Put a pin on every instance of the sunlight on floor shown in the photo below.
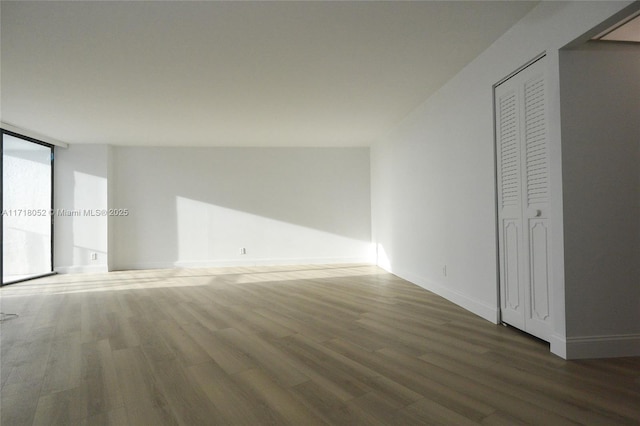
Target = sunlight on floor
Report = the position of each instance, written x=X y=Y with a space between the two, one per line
x=168 y=278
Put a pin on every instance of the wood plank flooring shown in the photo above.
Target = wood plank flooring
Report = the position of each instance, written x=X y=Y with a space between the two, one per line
x=295 y=345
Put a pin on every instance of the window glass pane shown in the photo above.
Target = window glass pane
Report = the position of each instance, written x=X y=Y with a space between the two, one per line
x=26 y=223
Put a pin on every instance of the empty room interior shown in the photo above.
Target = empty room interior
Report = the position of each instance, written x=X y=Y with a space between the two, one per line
x=320 y=212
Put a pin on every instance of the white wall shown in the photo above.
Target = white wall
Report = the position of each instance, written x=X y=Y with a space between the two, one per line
x=199 y=206
x=601 y=184
x=433 y=195
x=80 y=185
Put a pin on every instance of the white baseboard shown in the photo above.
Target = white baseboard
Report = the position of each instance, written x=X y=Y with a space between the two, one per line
x=558 y=345
x=483 y=310
x=238 y=262
x=611 y=346
x=81 y=269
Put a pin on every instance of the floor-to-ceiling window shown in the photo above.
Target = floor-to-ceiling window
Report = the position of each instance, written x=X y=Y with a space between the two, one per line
x=27 y=208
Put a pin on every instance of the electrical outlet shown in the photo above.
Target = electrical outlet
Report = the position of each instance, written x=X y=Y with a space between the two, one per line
x=243 y=251
x=444 y=270
x=94 y=256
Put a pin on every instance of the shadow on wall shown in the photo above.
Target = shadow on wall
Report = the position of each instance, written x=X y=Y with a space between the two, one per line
x=80 y=196
x=191 y=205
x=206 y=231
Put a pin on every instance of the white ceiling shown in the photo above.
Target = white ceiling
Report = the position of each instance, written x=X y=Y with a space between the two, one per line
x=234 y=73
x=628 y=31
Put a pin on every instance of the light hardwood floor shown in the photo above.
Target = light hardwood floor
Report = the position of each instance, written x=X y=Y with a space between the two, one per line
x=300 y=345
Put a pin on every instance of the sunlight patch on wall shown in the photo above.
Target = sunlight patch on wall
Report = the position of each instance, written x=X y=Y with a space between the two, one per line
x=382 y=260
x=210 y=235
x=88 y=214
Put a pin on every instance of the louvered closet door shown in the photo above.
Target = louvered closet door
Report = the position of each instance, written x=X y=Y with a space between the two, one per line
x=523 y=192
